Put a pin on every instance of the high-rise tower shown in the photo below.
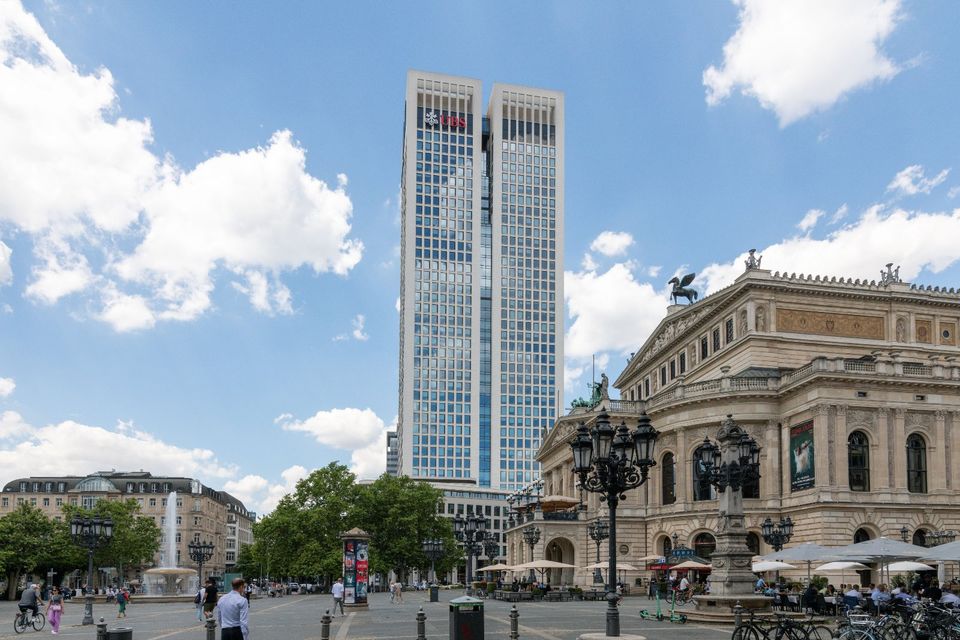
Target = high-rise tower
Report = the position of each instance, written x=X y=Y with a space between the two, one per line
x=481 y=285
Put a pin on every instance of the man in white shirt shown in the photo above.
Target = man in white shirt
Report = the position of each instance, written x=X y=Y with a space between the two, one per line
x=684 y=584
x=233 y=613
x=337 y=592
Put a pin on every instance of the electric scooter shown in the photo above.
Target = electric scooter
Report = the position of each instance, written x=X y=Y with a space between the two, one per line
x=680 y=618
x=646 y=615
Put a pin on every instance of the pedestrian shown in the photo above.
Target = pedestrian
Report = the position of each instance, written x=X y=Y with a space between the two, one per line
x=399 y=588
x=55 y=610
x=393 y=592
x=121 y=603
x=209 y=598
x=233 y=613
x=198 y=603
x=337 y=592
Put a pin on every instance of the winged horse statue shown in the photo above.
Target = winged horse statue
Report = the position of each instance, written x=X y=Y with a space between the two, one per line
x=681 y=290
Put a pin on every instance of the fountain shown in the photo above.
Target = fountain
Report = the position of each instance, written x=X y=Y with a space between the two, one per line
x=169 y=579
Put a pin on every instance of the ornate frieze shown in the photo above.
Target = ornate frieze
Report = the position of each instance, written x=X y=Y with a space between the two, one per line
x=830 y=324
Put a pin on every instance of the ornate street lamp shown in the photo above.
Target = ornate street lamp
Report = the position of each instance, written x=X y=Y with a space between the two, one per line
x=433 y=549
x=904 y=533
x=611 y=461
x=779 y=534
x=470 y=532
x=90 y=533
x=200 y=552
x=599 y=531
x=531 y=535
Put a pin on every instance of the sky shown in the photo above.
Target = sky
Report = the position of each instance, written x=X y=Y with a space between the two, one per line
x=199 y=221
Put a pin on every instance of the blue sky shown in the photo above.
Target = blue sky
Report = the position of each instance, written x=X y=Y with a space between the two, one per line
x=198 y=201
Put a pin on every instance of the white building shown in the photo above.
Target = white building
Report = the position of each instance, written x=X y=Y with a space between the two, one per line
x=481 y=288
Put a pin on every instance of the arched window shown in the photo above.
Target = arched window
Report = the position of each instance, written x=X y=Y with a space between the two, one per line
x=916 y=464
x=704 y=545
x=666 y=546
x=702 y=489
x=668 y=491
x=753 y=543
x=858 y=461
x=920 y=538
x=861 y=535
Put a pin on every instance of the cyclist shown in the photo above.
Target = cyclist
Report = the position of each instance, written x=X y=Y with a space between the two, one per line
x=31 y=600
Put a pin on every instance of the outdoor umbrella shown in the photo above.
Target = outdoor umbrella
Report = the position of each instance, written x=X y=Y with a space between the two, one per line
x=770 y=565
x=650 y=558
x=541 y=566
x=908 y=565
x=807 y=552
x=690 y=564
x=496 y=567
x=841 y=568
x=883 y=551
x=943 y=553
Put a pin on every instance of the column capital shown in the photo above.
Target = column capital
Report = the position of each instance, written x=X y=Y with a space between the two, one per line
x=940 y=415
x=821 y=410
x=841 y=409
x=899 y=412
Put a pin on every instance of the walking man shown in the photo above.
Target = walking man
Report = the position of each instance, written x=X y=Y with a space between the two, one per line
x=337 y=592
x=233 y=613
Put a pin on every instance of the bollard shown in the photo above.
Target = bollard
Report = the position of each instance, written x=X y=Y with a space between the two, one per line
x=101 y=630
x=514 y=623
x=737 y=615
x=421 y=625
x=211 y=626
x=325 y=626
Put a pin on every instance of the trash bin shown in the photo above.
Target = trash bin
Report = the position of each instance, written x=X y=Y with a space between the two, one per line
x=120 y=633
x=466 y=619
x=434 y=593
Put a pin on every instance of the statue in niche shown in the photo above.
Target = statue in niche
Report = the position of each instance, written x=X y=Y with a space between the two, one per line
x=761 y=319
x=901 y=329
x=743 y=322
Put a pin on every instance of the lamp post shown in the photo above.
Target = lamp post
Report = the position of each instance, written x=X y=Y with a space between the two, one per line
x=598 y=530
x=779 y=534
x=904 y=533
x=90 y=533
x=531 y=535
x=471 y=532
x=200 y=552
x=728 y=467
x=433 y=549
x=610 y=461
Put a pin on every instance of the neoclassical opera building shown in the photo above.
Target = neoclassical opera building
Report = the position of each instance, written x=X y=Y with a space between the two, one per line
x=852 y=388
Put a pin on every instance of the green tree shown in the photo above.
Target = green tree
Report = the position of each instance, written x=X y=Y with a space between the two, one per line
x=135 y=540
x=27 y=537
x=247 y=564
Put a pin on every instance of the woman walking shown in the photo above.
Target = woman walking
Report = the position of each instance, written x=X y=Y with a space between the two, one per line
x=121 y=603
x=55 y=610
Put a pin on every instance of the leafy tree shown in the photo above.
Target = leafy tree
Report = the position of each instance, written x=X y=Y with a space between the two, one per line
x=247 y=564
x=27 y=537
x=135 y=540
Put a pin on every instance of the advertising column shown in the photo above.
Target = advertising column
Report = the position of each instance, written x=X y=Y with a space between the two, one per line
x=356 y=564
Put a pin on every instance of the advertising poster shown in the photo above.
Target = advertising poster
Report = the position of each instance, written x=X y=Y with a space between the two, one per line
x=349 y=572
x=802 y=473
x=363 y=576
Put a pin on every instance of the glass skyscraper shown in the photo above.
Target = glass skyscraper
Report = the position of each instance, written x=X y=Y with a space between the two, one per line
x=481 y=285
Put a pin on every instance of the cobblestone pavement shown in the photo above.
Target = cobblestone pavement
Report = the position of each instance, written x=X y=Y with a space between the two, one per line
x=298 y=618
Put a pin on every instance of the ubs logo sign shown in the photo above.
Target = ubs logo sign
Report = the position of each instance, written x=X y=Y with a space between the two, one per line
x=432 y=119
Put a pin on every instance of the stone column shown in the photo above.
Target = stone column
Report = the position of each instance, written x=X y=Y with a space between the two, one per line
x=681 y=469
x=820 y=443
x=842 y=481
x=770 y=480
x=938 y=470
x=883 y=474
x=899 y=445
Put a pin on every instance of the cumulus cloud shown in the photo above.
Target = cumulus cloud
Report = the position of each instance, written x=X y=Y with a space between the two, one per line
x=73 y=448
x=261 y=495
x=82 y=180
x=7 y=385
x=6 y=271
x=359 y=431
x=913 y=180
x=797 y=57
x=914 y=240
x=612 y=243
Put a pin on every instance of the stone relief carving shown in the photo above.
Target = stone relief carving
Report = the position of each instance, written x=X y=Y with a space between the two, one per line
x=830 y=324
x=901 y=329
x=917 y=419
x=743 y=322
x=673 y=329
x=924 y=329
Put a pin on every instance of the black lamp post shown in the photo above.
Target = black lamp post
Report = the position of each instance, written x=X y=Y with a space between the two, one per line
x=90 y=533
x=610 y=461
x=779 y=534
x=531 y=535
x=904 y=533
x=598 y=530
x=200 y=552
x=433 y=549
x=491 y=548
x=470 y=532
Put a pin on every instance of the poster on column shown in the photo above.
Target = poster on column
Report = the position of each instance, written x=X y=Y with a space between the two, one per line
x=349 y=571
x=363 y=575
x=802 y=470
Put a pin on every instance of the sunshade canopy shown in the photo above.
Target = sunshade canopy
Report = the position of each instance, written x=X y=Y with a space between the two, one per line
x=770 y=565
x=690 y=564
x=621 y=566
x=883 y=549
x=542 y=564
x=944 y=552
x=908 y=565
x=840 y=567
x=806 y=552
x=496 y=567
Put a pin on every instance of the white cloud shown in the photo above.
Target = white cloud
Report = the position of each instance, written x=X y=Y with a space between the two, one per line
x=358 y=323
x=915 y=240
x=600 y=324
x=588 y=263
x=396 y=305
x=612 y=243
x=912 y=181
x=953 y=193
x=73 y=448
x=80 y=180
x=801 y=56
x=359 y=431
x=6 y=271
x=809 y=221
x=261 y=495
x=839 y=214
x=654 y=271
x=7 y=385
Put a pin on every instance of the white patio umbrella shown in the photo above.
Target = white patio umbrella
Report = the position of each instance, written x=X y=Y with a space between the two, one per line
x=770 y=565
x=692 y=564
x=496 y=567
x=807 y=552
x=884 y=551
x=541 y=566
x=944 y=552
x=908 y=565
x=841 y=568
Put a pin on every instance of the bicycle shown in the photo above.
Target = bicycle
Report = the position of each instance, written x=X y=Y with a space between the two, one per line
x=22 y=621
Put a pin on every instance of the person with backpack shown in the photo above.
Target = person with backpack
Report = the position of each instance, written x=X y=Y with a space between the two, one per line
x=198 y=603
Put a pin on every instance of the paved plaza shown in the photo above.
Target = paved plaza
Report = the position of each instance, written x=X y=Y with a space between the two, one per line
x=298 y=618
